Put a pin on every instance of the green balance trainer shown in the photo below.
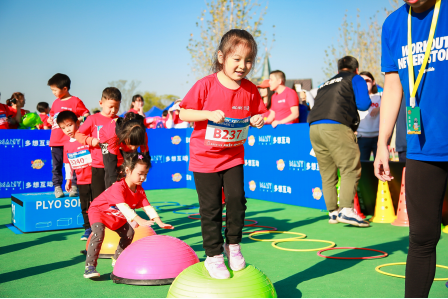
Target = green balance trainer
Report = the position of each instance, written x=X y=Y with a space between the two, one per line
x=196 y=282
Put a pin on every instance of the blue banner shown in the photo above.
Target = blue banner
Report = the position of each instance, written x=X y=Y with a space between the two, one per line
x=279 y=163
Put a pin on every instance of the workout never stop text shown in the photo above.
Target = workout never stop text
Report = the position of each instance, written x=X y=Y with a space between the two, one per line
x=230 y=133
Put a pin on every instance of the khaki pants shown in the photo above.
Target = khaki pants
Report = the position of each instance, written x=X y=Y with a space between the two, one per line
x=335 y=147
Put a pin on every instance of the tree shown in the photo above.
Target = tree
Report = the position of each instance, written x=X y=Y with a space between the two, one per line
x=127 y=92
x=363 y=43
x=219 y=17
x=152 y=99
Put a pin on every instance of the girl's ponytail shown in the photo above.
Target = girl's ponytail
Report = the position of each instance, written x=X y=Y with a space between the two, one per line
x=131 y=129
x=131 y=160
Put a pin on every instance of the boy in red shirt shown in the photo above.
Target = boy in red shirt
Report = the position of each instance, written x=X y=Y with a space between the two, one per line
x=60 y=86
x=43 y=109
x=5 y=116
x=77 y=157
x=89 y=134
x=285 y=101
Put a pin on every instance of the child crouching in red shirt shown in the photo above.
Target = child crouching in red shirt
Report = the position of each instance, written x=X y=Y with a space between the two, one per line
x=222 y=105
x=77 y=157
x=114 y=209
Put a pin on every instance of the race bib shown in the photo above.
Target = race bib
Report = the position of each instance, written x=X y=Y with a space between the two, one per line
x=81 y=159
x=230 y=133
x=55 y=124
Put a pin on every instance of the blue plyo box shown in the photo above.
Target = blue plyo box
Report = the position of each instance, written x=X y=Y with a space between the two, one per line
x=36 y=212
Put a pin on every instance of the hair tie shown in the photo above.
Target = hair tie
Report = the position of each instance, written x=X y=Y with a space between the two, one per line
x=140 y=157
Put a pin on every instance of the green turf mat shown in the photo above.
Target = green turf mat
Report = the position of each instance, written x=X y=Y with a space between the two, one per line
x=49 y=264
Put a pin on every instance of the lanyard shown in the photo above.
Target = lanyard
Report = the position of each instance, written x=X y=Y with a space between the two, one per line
x=413 y=87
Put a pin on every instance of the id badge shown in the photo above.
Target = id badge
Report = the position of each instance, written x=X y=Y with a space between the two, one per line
x=413 y=120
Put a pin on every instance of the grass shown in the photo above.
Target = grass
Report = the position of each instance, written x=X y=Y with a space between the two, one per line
x=49 y=264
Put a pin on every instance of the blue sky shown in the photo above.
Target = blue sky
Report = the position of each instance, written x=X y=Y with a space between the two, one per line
x=95 y=42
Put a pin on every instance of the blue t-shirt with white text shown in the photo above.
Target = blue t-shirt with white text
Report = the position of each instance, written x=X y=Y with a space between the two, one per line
x=432 y=93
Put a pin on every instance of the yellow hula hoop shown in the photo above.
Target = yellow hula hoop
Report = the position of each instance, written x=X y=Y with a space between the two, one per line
x=377 y=269
x=300 y=236
x=274 y=244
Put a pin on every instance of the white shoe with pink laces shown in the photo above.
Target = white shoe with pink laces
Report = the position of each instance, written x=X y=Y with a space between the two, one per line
x=216 y=267
x=234 y=256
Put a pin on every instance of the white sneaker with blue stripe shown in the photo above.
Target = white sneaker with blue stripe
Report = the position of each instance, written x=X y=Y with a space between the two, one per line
x=349 y=216
x=333 y=216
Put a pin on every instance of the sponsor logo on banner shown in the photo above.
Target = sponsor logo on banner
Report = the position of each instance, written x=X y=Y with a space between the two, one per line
x=252 y=185
x=176 y=140
x=317 y=193
x=11 y=142
x=265 y=186
x=252 y=163
x=280 y=164
x=11 y=184
x=38 y=184
x=176 y=177
x=271 y=140
x=251 y=140
x=37 y=164
x=301 y=165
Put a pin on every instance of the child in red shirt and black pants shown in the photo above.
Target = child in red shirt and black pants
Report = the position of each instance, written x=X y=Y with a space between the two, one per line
x=115 y=209
x=89 y=133
x=77 y=157
x=222 y=105
x=60 y=86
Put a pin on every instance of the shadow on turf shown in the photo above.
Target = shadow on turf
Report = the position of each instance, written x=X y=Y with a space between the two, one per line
x=288 y=287
x=37 y=270
x=5 y=206
x=38 y=241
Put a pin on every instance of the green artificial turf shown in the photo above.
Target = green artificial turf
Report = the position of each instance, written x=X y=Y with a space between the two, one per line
x=49 y=264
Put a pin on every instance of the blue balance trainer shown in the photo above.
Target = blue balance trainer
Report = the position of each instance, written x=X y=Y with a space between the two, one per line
x=35 y=212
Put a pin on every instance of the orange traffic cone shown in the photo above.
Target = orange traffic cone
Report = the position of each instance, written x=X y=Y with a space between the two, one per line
x=384 y=208
x=402 y=213
x=358 y=207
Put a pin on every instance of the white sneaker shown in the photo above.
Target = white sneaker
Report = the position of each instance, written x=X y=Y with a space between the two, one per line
x=349 y=216
x=333 y=216
x=234 y=256
x=216 y=267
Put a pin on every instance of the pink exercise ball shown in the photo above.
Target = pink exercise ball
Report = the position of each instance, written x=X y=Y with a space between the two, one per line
x=153 y=260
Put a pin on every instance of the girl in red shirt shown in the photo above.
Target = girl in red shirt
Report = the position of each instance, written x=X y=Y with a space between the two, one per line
x=114 y=209
x=119 y=138
x=222 y=106
x=15 y=103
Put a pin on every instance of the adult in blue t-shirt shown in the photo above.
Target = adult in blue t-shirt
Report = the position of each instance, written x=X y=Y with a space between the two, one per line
x=427 y=153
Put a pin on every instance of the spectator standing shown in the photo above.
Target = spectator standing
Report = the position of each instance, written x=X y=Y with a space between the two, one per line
x=16 y=102
x=266 y=94
x=333 y=121
x=5 y=116
x=173 y=119
x=137 y=105
x=285 y=101
x=369 y=125
x=43 y=108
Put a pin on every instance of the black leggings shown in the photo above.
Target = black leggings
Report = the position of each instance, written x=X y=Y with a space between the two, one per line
x=425 y=191
x=126 y=233
x=209 y=187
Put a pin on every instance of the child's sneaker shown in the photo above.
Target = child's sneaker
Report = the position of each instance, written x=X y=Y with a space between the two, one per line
x=113 y=262
x=216 y=267
x=91 y=272
x=86 y=235
x=349 y=216
x=73 y=191
x=333 y=216
x=234 y=256
x=58 y=192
